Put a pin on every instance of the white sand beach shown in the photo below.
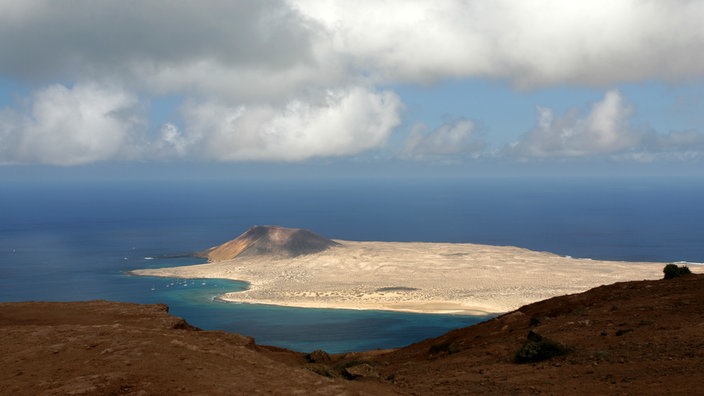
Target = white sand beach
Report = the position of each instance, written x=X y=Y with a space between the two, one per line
x=414 y=277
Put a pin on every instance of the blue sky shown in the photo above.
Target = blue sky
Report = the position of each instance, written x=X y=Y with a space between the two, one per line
x=403 y=87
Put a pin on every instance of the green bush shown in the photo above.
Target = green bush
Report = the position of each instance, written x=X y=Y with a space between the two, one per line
x=538 y=348
x=673 y=271
x=445 y=347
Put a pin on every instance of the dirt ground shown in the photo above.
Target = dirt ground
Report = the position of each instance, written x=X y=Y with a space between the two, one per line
x=643 y=337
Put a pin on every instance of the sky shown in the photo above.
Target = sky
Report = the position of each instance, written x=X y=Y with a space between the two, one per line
x=359 y=87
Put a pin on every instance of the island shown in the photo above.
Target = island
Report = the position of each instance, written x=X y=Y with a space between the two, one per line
x=299 y=268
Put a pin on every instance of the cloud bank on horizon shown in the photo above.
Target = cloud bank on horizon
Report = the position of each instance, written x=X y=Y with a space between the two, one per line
x=276 y=80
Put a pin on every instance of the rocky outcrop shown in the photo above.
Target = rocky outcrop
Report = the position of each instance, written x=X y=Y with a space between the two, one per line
x=270 y=241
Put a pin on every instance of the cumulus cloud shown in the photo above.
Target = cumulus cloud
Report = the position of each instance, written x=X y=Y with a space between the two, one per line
x=273 y=48
x=69 y=126
x=340 y=122
x=606 y=130
x=89 y=123
x=295 y=79
x=171 y=142
x=235 y=48
x=531 y=43
x=452 y=139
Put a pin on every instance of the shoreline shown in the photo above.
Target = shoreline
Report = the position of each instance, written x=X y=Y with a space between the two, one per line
x=433 y=310
x=420 y=277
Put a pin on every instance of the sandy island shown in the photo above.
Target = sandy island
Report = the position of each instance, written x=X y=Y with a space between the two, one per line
x=454 y=278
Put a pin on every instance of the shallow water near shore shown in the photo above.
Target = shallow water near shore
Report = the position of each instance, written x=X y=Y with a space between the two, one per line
x=334 y=330
x=76 y=241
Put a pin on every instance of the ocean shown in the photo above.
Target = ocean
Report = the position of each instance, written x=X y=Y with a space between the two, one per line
x=73 y=241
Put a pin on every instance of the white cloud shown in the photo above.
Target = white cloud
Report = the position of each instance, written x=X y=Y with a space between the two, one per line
x=255 y=68
x=456 y=138
x=69 y=126
x=232 y=48
x=273 y=49
x=89 y=123
x=171 y=142
x=342 y=122
x=531 y=43
x=605 y=131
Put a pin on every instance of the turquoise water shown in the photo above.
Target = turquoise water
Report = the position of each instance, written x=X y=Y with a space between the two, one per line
x=334 y=330
x=307 y=329
x=73 y=241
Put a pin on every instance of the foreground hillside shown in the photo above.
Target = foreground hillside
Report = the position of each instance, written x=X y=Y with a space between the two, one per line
x=642 y=337
x=107 y=348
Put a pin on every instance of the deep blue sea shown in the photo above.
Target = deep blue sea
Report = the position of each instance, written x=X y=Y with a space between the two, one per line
x=66 y=241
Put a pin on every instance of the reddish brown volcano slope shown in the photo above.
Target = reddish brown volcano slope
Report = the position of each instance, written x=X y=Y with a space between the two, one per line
x=639 y=338
x=107 y=348
x=628 y=338
x=270 y=240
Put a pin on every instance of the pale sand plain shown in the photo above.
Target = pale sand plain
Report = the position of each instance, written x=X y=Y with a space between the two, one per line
x=455 y=278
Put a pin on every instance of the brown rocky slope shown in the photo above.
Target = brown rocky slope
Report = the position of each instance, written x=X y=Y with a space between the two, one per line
x=109 y=348
x=643 y=337
x=269 y=241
